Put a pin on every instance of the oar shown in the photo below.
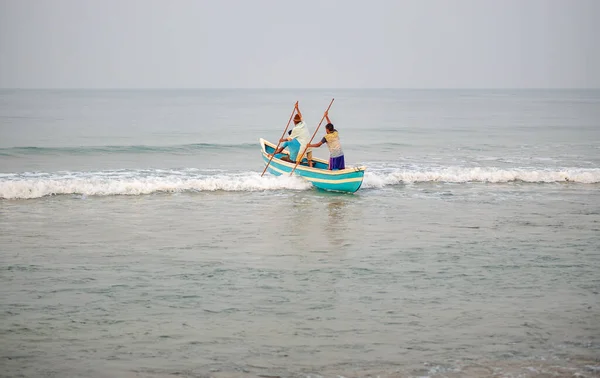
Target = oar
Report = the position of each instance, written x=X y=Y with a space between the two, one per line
x=282 y=135
x=311 y=139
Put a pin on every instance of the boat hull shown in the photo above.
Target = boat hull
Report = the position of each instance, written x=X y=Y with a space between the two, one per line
x=347 y=180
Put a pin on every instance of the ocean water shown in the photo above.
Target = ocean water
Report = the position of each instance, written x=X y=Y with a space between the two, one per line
x=138 y=238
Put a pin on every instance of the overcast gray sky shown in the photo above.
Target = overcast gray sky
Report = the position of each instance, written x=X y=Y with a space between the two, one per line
x=299 y=44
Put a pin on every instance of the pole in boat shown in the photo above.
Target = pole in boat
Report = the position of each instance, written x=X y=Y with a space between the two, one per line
x=282 y=135
x=311 y=139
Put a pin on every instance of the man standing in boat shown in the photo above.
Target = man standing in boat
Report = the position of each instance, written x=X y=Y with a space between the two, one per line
x=300 y=132
x=336 y=155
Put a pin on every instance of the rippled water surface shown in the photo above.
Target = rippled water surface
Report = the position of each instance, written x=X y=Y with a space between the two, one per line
x=466 y=254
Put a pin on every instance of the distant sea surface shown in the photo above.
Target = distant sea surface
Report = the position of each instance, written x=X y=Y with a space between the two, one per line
x=138 y=238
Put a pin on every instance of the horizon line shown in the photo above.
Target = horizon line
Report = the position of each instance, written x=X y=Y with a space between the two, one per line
x=299 y=88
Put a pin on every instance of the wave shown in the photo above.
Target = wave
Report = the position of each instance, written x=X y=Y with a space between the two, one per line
x=482 y=175
x=134 y=149
x=139 y=182
x=106 y=183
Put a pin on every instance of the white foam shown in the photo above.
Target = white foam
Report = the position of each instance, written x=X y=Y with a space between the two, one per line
x=378 y=179
x=138 y=183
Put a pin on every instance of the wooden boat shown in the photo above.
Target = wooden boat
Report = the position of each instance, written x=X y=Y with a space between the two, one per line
x=344 y=180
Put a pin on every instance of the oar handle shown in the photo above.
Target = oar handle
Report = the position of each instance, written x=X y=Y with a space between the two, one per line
x=282 y=135
x=313 y=136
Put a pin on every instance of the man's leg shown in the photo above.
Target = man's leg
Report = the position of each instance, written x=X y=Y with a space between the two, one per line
x=301 y=162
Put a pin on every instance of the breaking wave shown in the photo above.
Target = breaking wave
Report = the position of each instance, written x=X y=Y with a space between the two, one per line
x=483 y=175
x=139 y=182
x=106 y=183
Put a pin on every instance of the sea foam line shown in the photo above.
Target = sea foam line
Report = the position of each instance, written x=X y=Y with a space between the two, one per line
x=138 y=182
x=484 y=175
x=106 y=185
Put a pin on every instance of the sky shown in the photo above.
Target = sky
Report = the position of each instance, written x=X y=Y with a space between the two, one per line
x=299 y=44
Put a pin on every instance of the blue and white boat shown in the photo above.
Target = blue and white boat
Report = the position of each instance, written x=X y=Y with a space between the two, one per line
x=343 y=180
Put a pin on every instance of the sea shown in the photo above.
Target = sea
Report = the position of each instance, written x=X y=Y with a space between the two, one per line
x=139 y=238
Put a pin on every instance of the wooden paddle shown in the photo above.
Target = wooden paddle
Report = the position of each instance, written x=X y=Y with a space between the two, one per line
x=282 y=135
x=311 y=139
